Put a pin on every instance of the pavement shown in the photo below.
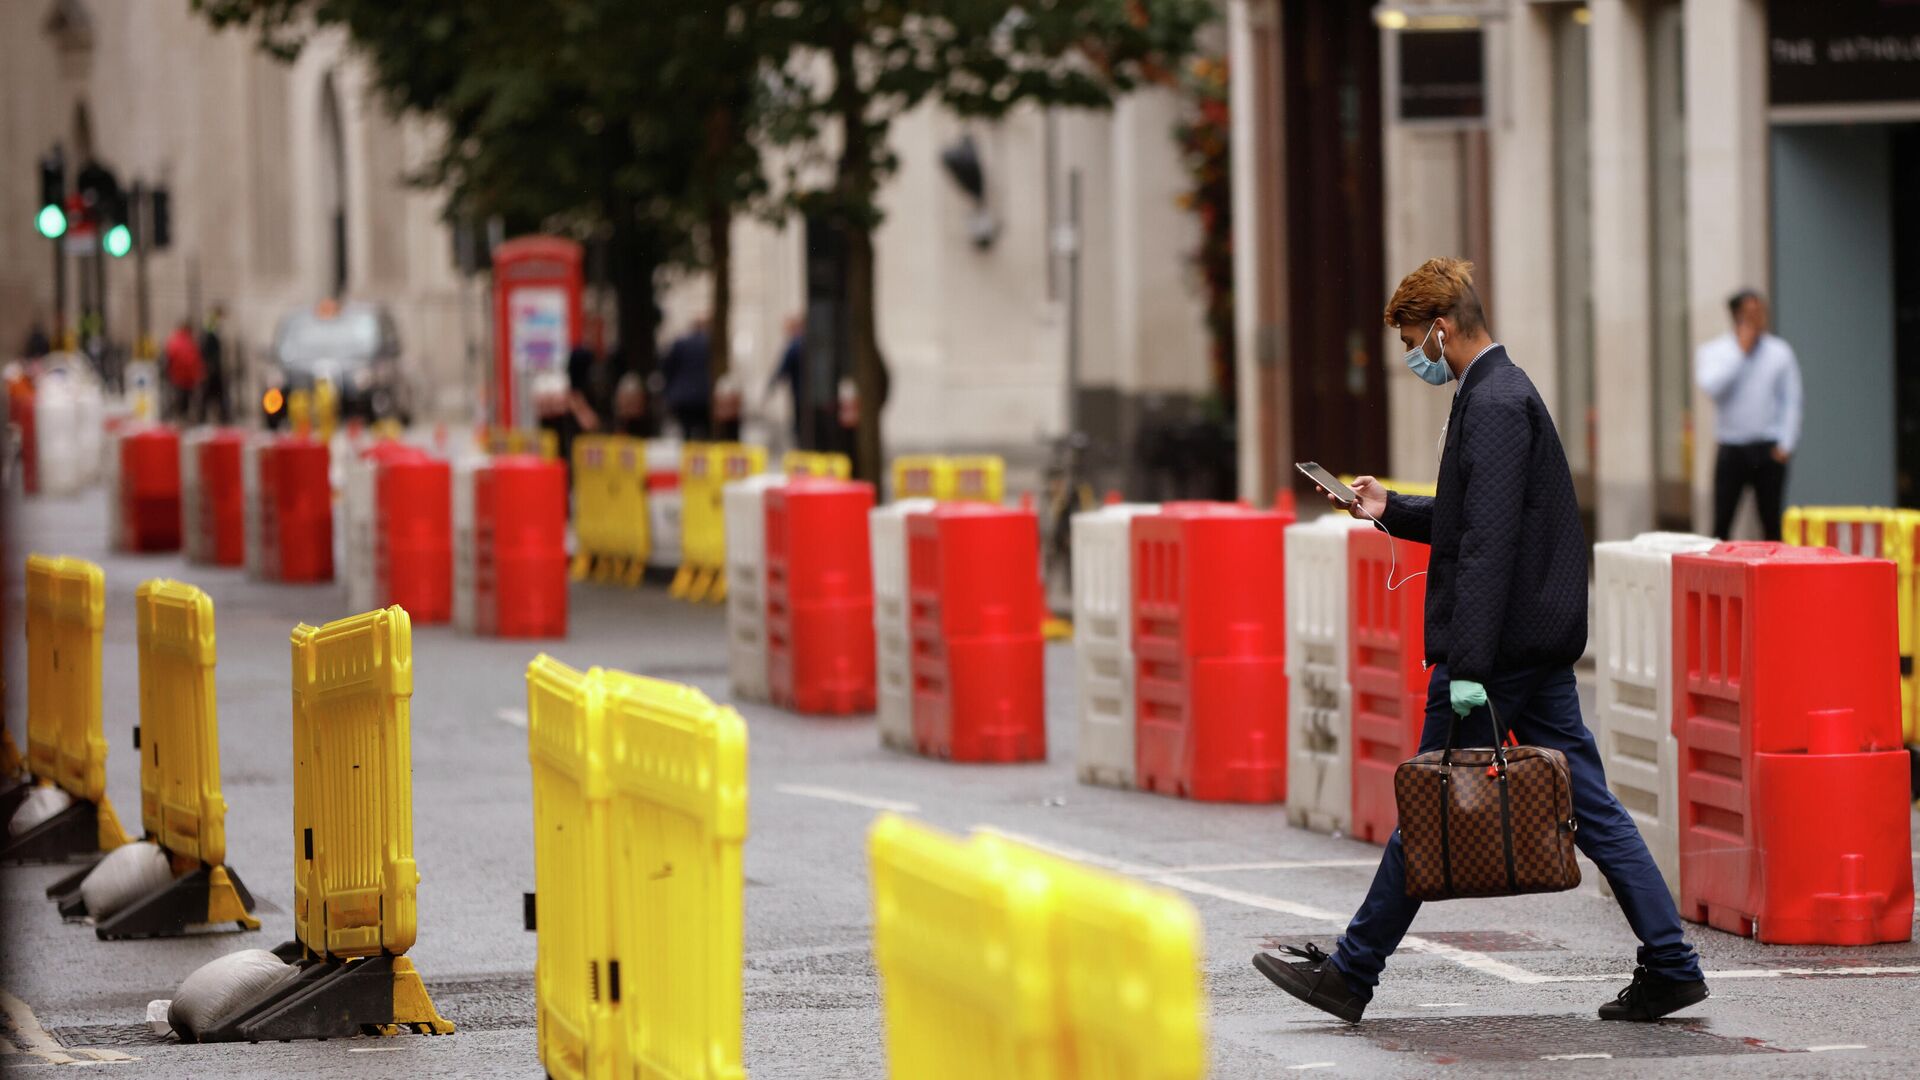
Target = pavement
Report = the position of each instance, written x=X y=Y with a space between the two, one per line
x=1500 y=987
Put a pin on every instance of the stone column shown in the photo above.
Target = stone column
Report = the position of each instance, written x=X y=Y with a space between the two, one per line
x=1523 y=308
x=1622 y=280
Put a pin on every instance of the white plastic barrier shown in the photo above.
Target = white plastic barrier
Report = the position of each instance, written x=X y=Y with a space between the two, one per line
x=258 y=520
x=90 y=428
x=893 y=647
x=110 y=476
x=56 y=414
x=663 y=503
x=1633 y=645
x=1320 y=701
x=466 y=576
x=1103 y=641
x=359 y=490
x=195 y=537
x=745 y=506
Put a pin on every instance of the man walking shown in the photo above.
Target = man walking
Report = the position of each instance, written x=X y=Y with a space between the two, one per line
x=687 y=369
x=1506 y=617
x=1754 y=381
x=213 y=359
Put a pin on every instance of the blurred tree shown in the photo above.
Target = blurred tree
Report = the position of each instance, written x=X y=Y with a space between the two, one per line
x=846 y=69
x=569 y=115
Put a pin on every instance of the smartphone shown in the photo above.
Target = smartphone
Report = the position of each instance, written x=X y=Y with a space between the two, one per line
x=1329 y=483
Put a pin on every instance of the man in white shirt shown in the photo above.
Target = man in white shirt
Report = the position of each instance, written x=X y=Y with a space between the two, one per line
x=1754 y=381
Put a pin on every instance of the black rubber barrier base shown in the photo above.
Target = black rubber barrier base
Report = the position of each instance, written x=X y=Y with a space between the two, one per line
x=66 y=891
x=13 y=792
x=332 y=999
x=197 y=899
x=73 y=831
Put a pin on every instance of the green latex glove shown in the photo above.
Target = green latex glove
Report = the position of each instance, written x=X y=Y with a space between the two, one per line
x=1467 y=695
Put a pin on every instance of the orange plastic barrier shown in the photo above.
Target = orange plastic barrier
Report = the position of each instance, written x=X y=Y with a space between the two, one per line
x=150 y=489
x=1210 y=652
x=819 y=596
x=1386 y=643
x=1793 y=818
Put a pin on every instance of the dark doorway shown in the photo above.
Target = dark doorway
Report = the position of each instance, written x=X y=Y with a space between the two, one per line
x=1336 y=248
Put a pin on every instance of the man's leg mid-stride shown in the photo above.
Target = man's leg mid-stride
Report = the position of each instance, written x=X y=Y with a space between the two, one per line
x=1543 y=707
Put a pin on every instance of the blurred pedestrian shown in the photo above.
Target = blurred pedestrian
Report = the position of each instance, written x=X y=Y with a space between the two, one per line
x=792 y=370
x=213 y=405
x=688 y=368
x=1506 y=619
x=37 y=344
x=1753 y=378
x=185 y=371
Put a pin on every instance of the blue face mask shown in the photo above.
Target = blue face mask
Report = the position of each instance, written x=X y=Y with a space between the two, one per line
x=1435 y=372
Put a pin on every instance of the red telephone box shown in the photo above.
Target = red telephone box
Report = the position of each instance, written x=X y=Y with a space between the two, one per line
x=536 y=305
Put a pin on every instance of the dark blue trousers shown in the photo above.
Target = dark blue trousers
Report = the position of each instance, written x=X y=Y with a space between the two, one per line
x=1542 y=706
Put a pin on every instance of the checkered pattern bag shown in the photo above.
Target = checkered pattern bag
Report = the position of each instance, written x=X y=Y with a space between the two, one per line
x=1486 y=822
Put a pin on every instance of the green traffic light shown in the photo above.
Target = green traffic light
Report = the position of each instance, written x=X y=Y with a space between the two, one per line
x=119 y=241
x=51 y=221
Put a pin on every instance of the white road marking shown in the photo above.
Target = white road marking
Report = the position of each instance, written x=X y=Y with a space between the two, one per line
x=1759 y=973
x=516 y=717
x=1313 y=1065
x=851 y=798
x=1302 y=864
x=1576 y=1057
x=373 y=1049
x=1464 y=957
x=1441 y=1005
x=1836 y=1046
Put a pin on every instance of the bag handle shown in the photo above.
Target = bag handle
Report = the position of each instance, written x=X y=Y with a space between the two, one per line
x=1500 y=738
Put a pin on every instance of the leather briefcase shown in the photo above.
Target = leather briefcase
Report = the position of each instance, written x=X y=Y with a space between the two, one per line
x=1486 y=822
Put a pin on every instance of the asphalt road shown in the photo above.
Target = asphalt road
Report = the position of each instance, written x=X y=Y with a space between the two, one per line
x=1500 y=987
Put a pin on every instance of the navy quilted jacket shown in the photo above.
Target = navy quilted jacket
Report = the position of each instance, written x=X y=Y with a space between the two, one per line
x=1507 y=585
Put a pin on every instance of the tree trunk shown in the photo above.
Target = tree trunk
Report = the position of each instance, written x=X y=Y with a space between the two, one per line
x=633 y=256
x=854 y=188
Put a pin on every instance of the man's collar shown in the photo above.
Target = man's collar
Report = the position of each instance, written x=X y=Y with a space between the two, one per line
x=1491 y=346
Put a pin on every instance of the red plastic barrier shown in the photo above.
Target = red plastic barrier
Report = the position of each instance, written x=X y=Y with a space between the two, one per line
x=520 y=509
x=222 y=498
x=294 y=473
x=413 y=536
x=819 y=596
x=1209 y=644
x=1793 y=785
x=1386 y=653
x=973 y=580
x=150 y=489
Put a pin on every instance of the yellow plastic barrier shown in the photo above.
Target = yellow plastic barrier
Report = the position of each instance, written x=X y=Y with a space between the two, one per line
x=811 y=463
x=1402 y=487
x=1881 y=533
x=705 y=469
x=540 y=441
x=354 y=873
x=574 y=968
x=610 y=508
x=922 y=476
x=965 y=478
x=181 y=806
x=678 y=766
x=66 y=613
x=979 y=478
x=998 y=960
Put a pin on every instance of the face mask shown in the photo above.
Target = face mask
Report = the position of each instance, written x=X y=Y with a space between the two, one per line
x=1435 y=372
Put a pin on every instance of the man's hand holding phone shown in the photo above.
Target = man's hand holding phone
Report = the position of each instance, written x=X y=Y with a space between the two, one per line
x=1372 y=502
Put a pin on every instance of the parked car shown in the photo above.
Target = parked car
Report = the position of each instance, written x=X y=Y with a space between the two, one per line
x=352 y=344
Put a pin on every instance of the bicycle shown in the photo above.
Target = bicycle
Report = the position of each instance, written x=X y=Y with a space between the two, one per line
x=1068 y=490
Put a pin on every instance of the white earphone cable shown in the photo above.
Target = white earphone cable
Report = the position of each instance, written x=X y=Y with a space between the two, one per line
x=1393 y=557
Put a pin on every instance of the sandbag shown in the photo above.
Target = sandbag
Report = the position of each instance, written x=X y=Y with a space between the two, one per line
x=218 y=987
x=41 y=803
x=128 y=873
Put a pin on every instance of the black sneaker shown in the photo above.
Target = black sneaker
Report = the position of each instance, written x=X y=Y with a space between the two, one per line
x=1314 y=980
x=1650 y=997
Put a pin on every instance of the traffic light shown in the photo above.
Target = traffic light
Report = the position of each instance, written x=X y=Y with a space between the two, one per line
x=118 y=240
x=51 y=220
x=160 y=223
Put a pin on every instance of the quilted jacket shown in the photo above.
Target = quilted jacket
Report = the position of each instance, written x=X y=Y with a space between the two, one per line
x=1507 y=582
